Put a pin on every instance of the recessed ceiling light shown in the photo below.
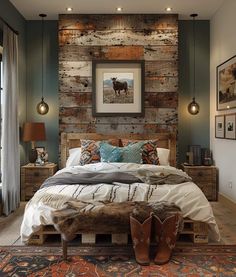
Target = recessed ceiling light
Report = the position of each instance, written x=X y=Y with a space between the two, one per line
x=69 y=9
x=119 y=9
x=168 y=9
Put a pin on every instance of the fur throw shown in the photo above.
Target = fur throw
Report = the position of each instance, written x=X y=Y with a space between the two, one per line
x=100 y=217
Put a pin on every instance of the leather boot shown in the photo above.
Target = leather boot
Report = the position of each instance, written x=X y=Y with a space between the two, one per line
x=140 y=233
x=166 y=236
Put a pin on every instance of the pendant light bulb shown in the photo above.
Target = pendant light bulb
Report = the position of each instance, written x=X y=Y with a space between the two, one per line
x=42 y=107
x=193 y=107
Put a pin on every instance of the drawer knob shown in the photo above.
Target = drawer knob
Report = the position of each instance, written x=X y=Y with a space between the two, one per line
x=36 y=174
x=200 y=174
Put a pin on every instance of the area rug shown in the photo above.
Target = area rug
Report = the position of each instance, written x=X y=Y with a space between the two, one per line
x=115 y=262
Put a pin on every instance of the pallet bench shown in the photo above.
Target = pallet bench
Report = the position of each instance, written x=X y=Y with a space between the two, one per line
x=193 y=231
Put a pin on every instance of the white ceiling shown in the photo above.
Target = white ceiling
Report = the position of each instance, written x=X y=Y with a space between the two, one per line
x=30 y=9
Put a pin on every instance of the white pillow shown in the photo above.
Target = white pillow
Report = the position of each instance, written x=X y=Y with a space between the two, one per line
x=163 y=155
x=74 y=157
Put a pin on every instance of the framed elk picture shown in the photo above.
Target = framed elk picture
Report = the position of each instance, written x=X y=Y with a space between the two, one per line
x=226 y=85
x=118 y=88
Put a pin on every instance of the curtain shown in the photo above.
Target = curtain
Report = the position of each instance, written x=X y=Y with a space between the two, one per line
x=10 y=126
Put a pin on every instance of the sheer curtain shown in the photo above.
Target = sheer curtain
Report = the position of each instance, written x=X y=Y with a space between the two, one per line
x=10 y=125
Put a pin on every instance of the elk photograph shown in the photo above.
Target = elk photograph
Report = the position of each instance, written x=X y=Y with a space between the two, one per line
x=118 y=88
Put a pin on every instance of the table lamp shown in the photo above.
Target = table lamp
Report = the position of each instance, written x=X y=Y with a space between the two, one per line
x=33 y=131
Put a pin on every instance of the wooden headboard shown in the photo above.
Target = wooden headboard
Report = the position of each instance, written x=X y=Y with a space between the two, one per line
x=72 y=140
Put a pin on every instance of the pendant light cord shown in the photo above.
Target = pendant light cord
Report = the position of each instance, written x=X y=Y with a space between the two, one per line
x=194 y=58
x=194 y=70
x=42 y=42
x=42 y=51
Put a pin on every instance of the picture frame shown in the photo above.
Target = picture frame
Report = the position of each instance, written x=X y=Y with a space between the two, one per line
x=230 y=130
x=118 y=88
x=226 y=85
x=220 y=126
x=40 y=149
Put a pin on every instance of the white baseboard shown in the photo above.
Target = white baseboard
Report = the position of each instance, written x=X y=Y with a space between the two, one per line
x=229 y=203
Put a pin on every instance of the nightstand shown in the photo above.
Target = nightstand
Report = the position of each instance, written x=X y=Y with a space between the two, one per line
x=205 y=177
x=32 y=178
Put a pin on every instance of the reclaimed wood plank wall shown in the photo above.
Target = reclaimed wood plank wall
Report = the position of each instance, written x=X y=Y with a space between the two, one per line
x=153 y=38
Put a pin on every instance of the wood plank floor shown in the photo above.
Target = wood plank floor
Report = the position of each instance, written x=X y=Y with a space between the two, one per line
x=226 y=220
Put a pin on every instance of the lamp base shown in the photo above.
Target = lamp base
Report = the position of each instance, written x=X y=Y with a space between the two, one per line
x=33 y=154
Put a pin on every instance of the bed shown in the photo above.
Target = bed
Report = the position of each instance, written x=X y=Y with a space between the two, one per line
x=199 y=218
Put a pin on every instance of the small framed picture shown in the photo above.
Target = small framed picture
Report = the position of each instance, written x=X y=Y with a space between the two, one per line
x=40 y=150
x=219 y=126
x=230 y=131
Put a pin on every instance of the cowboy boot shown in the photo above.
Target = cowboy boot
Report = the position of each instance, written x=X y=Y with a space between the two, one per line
x=140 y=233
x=166 y=236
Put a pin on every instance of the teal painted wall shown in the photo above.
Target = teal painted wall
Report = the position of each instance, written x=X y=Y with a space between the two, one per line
x=9 y=13
x=34 y=79
x=194 y=129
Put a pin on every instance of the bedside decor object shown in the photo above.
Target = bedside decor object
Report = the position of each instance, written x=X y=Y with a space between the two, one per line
x=33 y=131
x=42 y=107
x=42 y=155
x=219 y=126
x=230 y=131
x=196 y=154
x=226 y=84
x=193 y=107
x=118 y=88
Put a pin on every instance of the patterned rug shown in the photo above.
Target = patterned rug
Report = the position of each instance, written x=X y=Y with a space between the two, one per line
x=115 y=261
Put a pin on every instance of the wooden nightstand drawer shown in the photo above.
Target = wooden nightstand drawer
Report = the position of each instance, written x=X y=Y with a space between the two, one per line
x=32 y=178
x=36 y=172
x=205 y=177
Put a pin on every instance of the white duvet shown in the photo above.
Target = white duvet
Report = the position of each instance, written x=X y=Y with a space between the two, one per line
x=187 y=196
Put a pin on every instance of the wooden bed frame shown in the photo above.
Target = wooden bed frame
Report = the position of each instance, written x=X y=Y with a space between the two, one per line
x=72 y=140
x=196 y=231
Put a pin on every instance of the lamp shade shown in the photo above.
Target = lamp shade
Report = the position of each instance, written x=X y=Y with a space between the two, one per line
x=34 y=131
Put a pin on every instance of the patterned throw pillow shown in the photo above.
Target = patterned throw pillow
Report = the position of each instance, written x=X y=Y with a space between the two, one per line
x=90 y=150
x=149 y=154
x=130 y=154
x=109 y=153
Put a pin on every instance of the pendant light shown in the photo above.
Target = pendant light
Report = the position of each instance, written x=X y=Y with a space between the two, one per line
x=42 y=107
x=193 y=107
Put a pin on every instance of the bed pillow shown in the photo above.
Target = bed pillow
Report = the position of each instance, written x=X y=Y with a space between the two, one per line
x=109 y=153
x=164 y=155
x=90 y=150
x=74 y=157
x=149 y=152
x=131 y=153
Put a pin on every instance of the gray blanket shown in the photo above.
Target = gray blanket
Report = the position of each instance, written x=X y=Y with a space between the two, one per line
x=90 y=178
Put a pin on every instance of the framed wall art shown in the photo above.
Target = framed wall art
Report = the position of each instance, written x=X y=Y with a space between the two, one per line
x=230 y=131
x=219 y=126
x=226 y=84
x=118 y=88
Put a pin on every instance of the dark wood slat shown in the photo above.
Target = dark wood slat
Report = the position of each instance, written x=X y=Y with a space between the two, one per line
x=161 y=99
x=161 y=68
